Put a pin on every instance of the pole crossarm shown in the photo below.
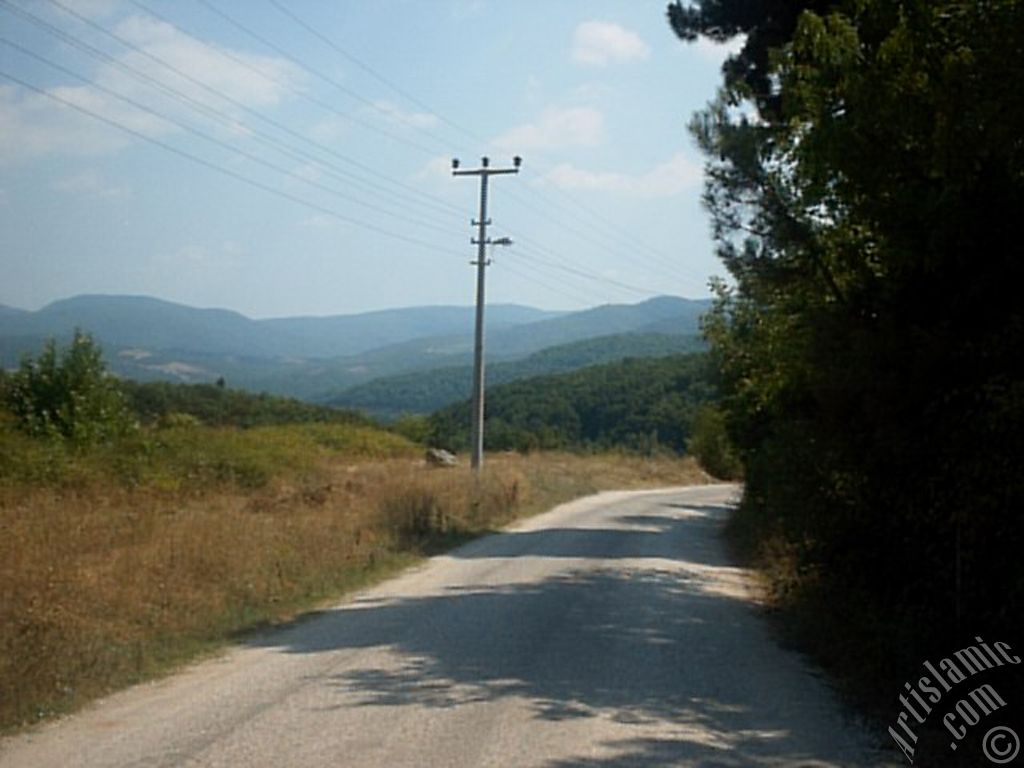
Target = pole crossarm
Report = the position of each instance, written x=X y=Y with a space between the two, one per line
x=481 y=241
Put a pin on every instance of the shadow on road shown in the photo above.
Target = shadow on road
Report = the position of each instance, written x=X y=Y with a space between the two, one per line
x=656 y=644
x=687 y=534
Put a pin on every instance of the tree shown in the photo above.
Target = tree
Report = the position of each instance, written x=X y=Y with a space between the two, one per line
x=67 y=394
x=864 y=170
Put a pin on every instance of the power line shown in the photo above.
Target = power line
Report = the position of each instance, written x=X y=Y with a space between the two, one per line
x=592 y=276
x=324 y=105
x=560 y=264
x=557 y=281
x=627 y=239
x=327 y=79
x=241 y=152
x=435 y=203
x=631 y=241
x=222 y=170
x=296 y=153
x=484 y=172
x=333 y=45
x=291 y=151
x=583 y=232
x=531 y=278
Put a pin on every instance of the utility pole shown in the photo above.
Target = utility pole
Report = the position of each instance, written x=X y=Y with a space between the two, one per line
x=481 y=242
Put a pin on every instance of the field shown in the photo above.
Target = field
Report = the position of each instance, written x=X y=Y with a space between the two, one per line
x=119 y=563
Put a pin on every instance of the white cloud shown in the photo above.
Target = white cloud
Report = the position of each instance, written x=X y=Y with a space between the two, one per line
x=396 y=115
x=226 y=254
x=556 y=128
x=670 y=178
x=718 y=52
x=329 y=129
x=92 y=185
x=319 y=221
x=591 y=93
x=259 y=81
x=597 y=43
x=32 y=124
x=437 y=168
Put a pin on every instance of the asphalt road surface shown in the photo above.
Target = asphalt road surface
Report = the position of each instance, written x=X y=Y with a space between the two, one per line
x=609 y=632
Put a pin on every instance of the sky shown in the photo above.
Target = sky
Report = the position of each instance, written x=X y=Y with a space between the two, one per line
x=293 y=157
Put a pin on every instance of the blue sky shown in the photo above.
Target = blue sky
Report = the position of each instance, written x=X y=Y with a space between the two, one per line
x=292 y=157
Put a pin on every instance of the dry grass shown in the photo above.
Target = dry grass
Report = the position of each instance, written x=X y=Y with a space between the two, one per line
x=109 y=579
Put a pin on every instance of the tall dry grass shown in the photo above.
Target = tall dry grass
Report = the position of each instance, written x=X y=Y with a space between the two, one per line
x=110 y=576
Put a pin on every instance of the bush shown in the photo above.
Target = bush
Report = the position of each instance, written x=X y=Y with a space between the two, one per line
x=68 y=394
x=711 y=446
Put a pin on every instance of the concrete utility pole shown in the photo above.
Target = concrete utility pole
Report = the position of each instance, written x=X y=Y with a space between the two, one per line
x=481 y=241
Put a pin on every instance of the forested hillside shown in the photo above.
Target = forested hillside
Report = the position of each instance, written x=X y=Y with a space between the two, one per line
x=317 y=358
x=871 y=347
x=427 y=391
x=161 y=402
x=637 y=404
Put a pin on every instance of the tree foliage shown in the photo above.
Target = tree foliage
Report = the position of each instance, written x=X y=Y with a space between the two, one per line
x=865 y=167
x=426 y=391
x=67 y=394
x=635 y=404
x=162 y=403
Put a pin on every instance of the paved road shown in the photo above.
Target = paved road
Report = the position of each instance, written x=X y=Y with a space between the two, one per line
x=609 y=632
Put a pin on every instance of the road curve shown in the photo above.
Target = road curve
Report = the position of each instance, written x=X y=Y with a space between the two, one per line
x=609 y=632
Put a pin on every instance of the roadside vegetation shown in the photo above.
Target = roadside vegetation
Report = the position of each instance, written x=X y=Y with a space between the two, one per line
x=424 y=392
x=137 y=536
x=646 y=405
x=864 y=174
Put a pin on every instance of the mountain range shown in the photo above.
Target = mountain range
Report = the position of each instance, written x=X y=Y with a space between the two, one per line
x=317 y=358
x=423 y=392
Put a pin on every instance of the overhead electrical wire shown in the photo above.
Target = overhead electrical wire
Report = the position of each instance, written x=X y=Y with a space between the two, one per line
x=410 y=193
x=188 y=101
x=629 y=243
x=225 y=145
x=333 y=45
x=626 y=241
x=420 y=197
x=578 y=231
x=587 y=275
x=326 y=78
x=529 y=277
x=599 y=294
x=583 y=233
x=319 y=102
x=222 y=170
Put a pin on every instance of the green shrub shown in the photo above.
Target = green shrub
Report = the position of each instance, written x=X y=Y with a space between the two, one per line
x=710 y=444
x=68 y=394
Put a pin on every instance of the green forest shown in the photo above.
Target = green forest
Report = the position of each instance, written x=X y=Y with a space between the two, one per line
x=156 y=402
x=67 y=393
x=426 y=391
x=865 y=172
x=635 y=404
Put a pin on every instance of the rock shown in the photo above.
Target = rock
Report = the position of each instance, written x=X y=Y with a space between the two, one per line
x=438 y=457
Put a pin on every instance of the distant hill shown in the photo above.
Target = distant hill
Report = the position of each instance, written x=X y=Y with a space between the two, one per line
x=157 y=325
x=427 y=391
x=343 y=335
x=140 y=321
x=663 y=314
x=668 y=315
x=638 y=404
x=315 y=357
